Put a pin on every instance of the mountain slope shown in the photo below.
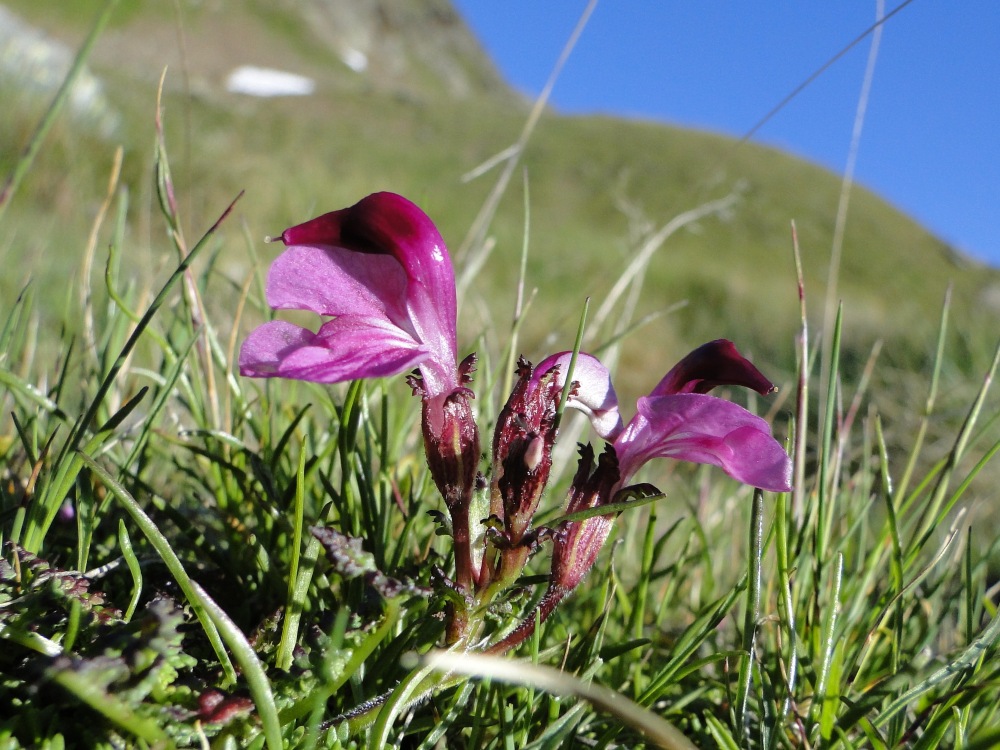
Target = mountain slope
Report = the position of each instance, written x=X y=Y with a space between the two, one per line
x=414 y=122
x=413 y=48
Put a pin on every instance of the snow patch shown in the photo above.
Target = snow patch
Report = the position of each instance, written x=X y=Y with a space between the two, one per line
x=254 y=81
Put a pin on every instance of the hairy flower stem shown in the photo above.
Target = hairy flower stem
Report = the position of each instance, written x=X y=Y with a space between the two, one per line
x=457 y=629
x=526 y=629
x=463 y=547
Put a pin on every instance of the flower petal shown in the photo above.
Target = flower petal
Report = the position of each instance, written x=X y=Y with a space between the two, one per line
x=344 y=349
x=330 y=280
x=710 y=365
x=382 y=271
x=704 y=429
x=596 y=395
x=386 y=223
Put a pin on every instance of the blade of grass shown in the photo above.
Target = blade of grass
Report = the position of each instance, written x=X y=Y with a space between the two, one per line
x=250 y=666
x=752 y=615
x=843 y=202
x=690 y=640
x=876 y=629
x=564 y=395
x=659 y=731
x=473 y=251
x=828 y=640
x=86 y=296
x=30 y=640
x=67 y=472
x=964 y=661
x=895 y=562
x=48 y=119
x=825 y=481
x=641 y=594
x=163 y=397
x=358 y=719
x=403 y=695
x=798 y=497
x=169 y=557
x=295 y=597
x=218 y=626
x=634 y=274
x=67 y=466
x=520 y=305
x=787 y=604
x=125 y=544
x=932 y=390
x=931 y=514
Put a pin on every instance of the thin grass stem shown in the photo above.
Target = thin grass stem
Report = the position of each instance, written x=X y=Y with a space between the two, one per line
x=23 y=165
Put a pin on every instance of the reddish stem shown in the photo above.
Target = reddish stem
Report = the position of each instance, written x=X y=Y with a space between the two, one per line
x=463 y=547
x=526 y=629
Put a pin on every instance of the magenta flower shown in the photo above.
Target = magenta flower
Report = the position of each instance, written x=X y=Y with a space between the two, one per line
x=676 y=420
x=382 y=273
x=379 y=276
x=679 y=420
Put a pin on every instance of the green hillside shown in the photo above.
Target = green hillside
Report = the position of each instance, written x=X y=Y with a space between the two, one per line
x=599 y=186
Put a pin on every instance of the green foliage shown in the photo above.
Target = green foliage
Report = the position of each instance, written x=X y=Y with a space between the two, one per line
x=192 y=558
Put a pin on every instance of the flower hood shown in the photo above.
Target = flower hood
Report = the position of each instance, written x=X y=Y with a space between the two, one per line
x=381 y=271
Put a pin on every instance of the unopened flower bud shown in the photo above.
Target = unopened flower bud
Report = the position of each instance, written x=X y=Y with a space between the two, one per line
x=576 y=545
x=522 y=449
x=451 y=443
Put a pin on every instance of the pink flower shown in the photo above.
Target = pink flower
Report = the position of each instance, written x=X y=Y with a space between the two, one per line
x=381 y=272
x=676 y=420
x=679 y=420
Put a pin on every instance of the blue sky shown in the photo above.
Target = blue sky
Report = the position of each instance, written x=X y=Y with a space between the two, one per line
x=931 y=138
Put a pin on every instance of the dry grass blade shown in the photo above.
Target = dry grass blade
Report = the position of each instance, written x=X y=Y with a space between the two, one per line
x=657 y=729
x=633 y=273
x=836 y=252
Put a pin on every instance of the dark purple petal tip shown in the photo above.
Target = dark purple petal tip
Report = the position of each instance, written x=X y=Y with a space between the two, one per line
x=713 y=364
x=378 y=223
